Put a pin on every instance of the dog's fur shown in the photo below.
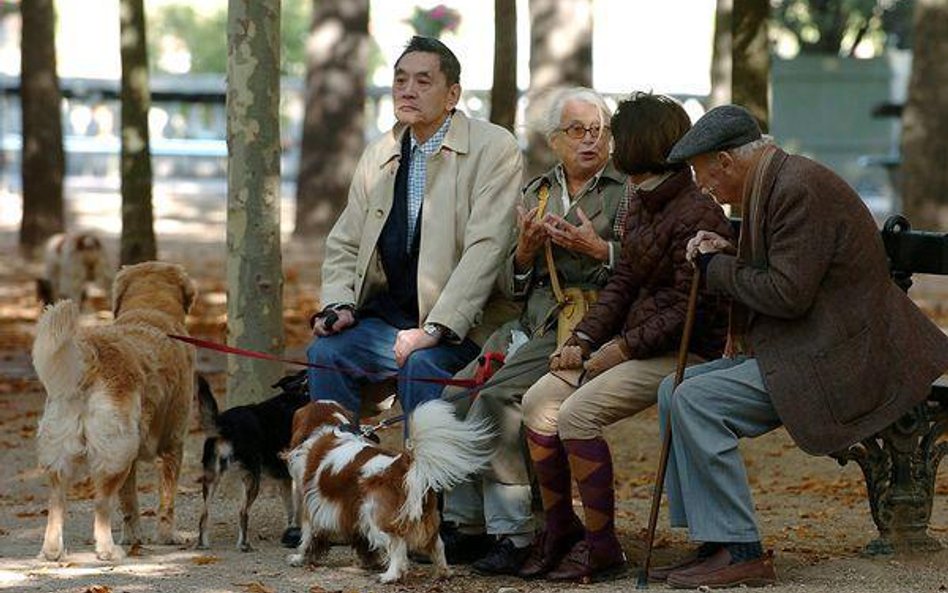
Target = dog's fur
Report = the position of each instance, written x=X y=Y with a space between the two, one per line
x=116 y=394
x=249 y=439
x=380 y=500
x=71 y=261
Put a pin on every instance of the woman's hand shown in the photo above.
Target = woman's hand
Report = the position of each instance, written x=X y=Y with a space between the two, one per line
x=581 y=238
x=532 y=235
x=611 y=353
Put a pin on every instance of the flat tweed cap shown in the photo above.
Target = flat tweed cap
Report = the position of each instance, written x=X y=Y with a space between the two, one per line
x=721 y=128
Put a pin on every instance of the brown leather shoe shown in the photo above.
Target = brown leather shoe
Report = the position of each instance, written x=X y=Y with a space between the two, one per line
x=547 y=552
x=586 y=565
x=659 y=574
x=716 y=572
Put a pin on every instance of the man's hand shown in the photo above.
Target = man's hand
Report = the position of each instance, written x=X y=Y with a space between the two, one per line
x=707 y=242
x=324 y=325
x=570 y=355
x=532 y=236
x=409 y=340
x=609 y=355
x=581 y=239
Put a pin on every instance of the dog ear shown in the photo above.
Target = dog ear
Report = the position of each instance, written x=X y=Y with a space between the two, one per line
x=188 y=292
x=118 y=291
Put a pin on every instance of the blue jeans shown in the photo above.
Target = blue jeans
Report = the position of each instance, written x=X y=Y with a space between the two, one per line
x=363 y=354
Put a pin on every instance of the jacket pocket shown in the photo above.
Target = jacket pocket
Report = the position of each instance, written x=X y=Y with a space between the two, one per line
x=852 y=376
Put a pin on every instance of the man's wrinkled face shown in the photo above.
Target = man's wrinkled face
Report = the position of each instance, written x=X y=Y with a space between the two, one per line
x=421 y=92
x=582 y=141
x=713 y=173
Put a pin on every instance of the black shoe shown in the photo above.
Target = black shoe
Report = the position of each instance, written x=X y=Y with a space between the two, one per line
x=503 y=558
x=292 y=536
x=459 y=548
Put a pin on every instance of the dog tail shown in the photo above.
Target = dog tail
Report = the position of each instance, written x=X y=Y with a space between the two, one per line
x=445 y=451
x=56 y=355
x=207 y=407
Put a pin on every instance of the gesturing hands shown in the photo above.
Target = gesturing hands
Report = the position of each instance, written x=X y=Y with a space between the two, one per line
x=581 y=238
x=532 y=236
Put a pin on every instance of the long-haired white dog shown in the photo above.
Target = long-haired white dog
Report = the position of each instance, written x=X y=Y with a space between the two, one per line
x=380 y=500
x=72 y=260
x=116 y=394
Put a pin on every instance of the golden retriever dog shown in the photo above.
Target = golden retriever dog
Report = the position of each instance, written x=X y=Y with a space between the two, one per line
x=380 y=501
x=73 y=260
x=115 y=395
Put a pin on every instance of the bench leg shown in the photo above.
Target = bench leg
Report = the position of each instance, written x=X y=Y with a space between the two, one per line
x=900 y=464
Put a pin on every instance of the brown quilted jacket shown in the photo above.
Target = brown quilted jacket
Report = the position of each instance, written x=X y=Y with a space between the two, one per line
x=647 y=296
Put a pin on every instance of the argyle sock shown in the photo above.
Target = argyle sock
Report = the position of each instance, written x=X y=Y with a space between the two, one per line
x=744 y=551
x=553 y=475
x=591 y=465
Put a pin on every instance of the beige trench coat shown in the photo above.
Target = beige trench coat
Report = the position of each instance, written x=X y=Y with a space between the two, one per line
x=467 y=226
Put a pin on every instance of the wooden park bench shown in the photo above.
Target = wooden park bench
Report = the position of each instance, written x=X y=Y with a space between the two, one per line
x=900 y=462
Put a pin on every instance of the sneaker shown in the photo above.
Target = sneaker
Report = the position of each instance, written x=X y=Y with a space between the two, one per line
x=503 y=558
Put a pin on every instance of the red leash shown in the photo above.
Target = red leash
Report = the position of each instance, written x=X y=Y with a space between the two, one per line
x=207 y=344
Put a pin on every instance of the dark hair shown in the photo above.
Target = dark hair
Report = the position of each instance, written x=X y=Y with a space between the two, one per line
x=645 y=127
x=450 y=65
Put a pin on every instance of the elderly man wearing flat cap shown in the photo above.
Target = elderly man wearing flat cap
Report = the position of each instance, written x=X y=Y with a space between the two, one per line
x=820 y=340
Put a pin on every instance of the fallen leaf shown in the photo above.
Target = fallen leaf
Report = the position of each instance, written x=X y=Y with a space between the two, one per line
x=205 y=559
x=98 y=589
x=255 y=587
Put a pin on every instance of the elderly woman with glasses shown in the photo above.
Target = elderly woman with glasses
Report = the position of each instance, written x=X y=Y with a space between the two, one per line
x=574 y=211
x=613 y=362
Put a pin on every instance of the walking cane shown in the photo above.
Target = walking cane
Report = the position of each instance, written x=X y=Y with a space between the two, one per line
x=666 y=442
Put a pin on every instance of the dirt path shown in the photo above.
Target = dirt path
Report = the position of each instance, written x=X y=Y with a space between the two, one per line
x=813 y=513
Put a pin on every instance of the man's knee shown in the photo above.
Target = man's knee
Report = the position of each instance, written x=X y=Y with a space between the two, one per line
x=322 y=350
x=573 y=423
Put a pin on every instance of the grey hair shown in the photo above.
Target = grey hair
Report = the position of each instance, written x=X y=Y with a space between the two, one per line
x=550 y=122
x=744 y=150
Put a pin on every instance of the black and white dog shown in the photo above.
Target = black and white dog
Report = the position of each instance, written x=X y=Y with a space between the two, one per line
x=249 y=439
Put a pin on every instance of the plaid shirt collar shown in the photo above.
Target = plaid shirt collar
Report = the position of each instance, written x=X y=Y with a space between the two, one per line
x=431 y=145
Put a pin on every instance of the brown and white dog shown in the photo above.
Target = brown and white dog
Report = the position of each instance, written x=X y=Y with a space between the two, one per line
x=116 y=394
x=376 y=499
x=73 y=260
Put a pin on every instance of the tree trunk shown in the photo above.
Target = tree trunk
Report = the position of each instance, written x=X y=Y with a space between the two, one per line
x=254 y=260
x=750 y=58
x=924 y=169
x=44 y=161
x=503 y=92
x=721 y=59
x=333 y=126
x=138 y=233
x=560 y=55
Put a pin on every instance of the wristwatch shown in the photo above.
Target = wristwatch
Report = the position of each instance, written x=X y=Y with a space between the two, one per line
x=434 y=330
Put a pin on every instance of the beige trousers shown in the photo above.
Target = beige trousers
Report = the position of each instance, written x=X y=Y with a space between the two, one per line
x=554 y=406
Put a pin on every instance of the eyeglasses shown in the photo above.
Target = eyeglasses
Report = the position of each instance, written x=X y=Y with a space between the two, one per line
x=578 y=131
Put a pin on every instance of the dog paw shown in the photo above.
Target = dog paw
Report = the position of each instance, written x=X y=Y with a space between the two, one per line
x=111 y=553
x=295 y=559
x=52 y=554
x=291 y=537
x=172 y=538
x=244 y=547
x=389 y=577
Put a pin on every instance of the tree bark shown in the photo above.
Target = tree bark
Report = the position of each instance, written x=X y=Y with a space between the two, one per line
x=503 y=92
x=333 y=126
x=721 y=58
x=750 y=58
x=924 y=169
x=138 y=233
x=560 y=55
x=44 y=161
x=254 y=259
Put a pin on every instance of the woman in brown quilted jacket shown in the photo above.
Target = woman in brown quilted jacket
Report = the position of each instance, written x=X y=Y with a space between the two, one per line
x=624 y=346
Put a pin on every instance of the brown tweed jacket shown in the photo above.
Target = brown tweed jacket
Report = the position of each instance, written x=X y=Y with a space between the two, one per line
x=843 y=351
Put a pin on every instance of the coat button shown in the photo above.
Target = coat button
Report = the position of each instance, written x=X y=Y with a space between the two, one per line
x=379 y=213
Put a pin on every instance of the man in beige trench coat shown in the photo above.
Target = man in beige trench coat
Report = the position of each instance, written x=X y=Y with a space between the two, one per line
x=412 y=261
